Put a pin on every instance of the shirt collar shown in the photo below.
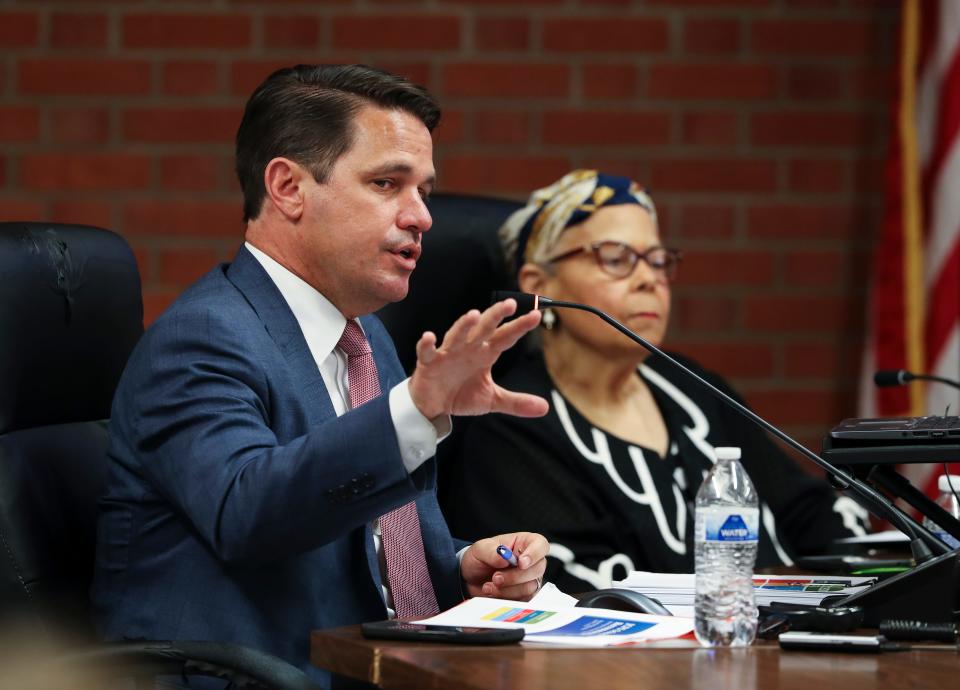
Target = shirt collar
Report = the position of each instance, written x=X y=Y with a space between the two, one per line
x=321 y=322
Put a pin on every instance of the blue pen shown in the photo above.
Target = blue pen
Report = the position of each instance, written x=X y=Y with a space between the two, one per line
x=507 y=555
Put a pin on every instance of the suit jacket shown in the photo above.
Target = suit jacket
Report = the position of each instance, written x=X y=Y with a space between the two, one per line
x=238 y=504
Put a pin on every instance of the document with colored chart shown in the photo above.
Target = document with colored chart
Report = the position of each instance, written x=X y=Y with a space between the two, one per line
x=581 y=627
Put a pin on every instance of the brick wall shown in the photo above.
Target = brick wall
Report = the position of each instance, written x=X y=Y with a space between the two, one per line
x=758 y=124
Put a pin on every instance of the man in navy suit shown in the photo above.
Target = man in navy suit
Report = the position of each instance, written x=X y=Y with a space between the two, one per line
x=246 y=489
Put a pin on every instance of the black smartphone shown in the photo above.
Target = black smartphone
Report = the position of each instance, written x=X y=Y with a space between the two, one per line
x=450 y=634
x=826 y=642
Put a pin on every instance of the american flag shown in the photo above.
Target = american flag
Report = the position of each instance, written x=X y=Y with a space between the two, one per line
x=914 y=316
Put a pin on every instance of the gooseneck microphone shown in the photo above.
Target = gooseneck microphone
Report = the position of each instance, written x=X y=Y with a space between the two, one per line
x=900 y=377
x=922 y=543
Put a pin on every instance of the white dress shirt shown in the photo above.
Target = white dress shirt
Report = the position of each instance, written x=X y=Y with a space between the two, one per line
x=322 y=325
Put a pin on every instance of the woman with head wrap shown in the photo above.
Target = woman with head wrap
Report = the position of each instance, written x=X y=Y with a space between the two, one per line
x=610 y=474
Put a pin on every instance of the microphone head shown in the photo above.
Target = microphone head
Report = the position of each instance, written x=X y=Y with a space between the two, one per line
x=526 y=302
x=892 y=377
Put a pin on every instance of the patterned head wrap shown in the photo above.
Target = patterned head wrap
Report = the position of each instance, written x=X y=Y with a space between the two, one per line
x=530 y=233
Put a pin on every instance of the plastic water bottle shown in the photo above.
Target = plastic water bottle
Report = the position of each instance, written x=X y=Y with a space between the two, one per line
x=947 y=501
x=726 y=533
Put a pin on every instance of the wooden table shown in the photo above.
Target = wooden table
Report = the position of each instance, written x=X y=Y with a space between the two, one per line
x=671 y=665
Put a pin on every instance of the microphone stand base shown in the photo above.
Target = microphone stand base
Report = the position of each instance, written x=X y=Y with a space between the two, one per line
x=929 y=592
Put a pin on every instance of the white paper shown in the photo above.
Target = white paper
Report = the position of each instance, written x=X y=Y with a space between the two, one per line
x=891 y=536
x=676 y=590
x=583 y=627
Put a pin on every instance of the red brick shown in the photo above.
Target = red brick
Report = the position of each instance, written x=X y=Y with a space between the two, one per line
x=97 y=213
x=801 y=221
x=191 y=78
x=85 y=171
x=502 y=127
x=73 y=30
x=245 y=75
x=831 y=361
x=19 y=29
x=789 y=313
x=707 y=221
x=501 y=33
x=798 y=406
x=715 y=3
x=591 y=35
x=737 y=267
x=816 y=38
x=84 y=76
x=397 y=32
x=183 y=266
x=181 y=124
x=610 y=81
x=606 y=127
x=512 y=3
x=289 y=32
x=19 y=123
x=815 y=82
x=714 y=175
x=487 y=174
x=144 y=259
x=815 y=268
x=624 y=166
x=80 y=125
x=451 y=129
x=505 y=80
x=873 y=82
x=817 y=175
x=746 y=360
x=194 y=30
x=155 y=302
x=713 y=80
x=809 y=129
x=19 y=209
x=186 y=218
x=711 y=128
x=714 y=36
x=189 y=172
x=695 y=311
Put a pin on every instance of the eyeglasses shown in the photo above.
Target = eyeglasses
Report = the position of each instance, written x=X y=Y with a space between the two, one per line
x=619 y=260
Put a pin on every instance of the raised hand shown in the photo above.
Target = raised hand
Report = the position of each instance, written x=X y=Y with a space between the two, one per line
x=455 y=377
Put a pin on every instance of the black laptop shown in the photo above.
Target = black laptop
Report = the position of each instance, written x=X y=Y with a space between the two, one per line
x=894 y=440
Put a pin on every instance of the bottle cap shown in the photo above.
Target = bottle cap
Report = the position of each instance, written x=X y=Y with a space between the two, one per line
x=945 y=480
x=733 y=453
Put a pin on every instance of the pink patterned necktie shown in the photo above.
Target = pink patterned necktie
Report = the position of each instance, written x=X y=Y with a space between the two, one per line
x=413 y=595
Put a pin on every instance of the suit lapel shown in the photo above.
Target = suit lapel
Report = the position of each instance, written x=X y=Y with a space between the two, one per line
x=248 y=276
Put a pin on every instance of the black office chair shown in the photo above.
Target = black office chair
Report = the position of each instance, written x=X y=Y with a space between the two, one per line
x=461 y=265
x=70 y=314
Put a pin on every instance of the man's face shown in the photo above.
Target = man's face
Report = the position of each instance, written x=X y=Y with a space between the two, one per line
x=360 y=230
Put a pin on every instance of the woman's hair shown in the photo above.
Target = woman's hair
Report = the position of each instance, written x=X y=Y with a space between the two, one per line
x=530 y=234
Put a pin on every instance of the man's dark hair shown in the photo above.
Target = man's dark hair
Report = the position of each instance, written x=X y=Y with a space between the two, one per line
x=305 y=113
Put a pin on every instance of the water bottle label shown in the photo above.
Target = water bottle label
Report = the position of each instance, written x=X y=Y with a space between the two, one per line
x=947 y=539
x=730 y=525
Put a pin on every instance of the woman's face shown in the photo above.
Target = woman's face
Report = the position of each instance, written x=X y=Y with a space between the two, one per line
x=641 y=300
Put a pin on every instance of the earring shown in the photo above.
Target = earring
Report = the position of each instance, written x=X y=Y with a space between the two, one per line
x=549 y=319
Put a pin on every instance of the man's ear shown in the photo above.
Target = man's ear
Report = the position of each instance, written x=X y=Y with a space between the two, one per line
x=283 y=180
x=532 y=278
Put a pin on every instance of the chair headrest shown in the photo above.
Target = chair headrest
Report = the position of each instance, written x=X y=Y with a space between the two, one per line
x=70 y=313
x=461 y=264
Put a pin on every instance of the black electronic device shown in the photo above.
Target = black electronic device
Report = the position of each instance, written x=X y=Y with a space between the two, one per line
x=450 y=634
x=623 y=600
x=830 y=642
x=910 y=430
x=815 y=618
x=929 y=592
